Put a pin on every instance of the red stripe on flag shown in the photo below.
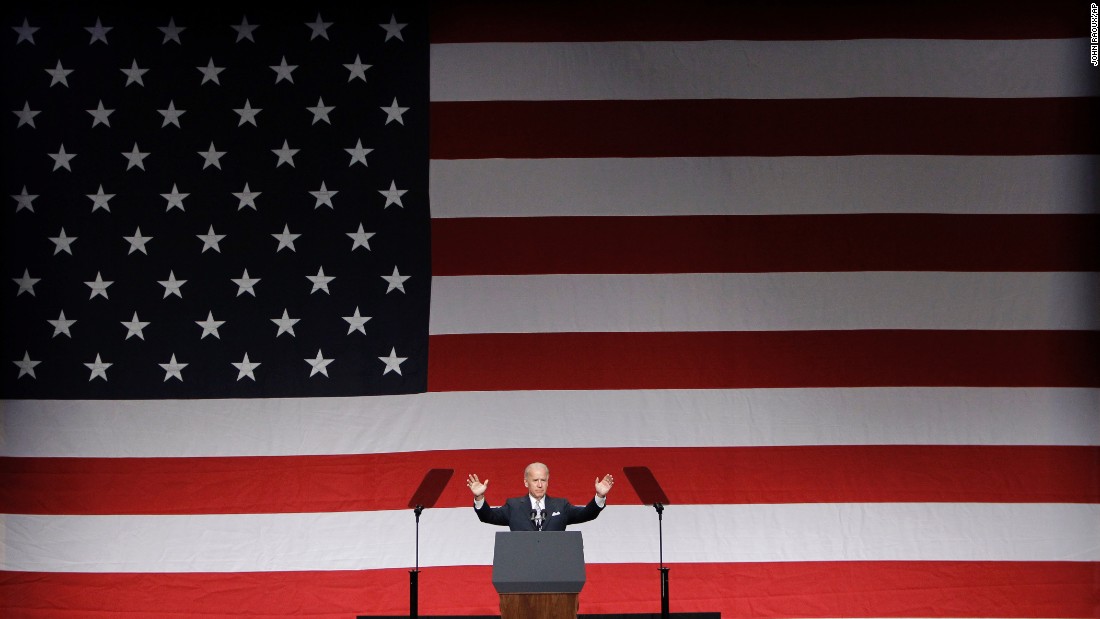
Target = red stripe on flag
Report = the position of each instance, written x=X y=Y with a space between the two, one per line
x=769 y=128
x=764 y=590
x=753 y=475
x=733 y=360
x=756 y=244
x=469 y=21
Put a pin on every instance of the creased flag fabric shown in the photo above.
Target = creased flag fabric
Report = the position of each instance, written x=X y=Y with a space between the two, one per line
x=830 y=272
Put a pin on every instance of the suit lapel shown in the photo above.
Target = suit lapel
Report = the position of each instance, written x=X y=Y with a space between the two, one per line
x=549 y=503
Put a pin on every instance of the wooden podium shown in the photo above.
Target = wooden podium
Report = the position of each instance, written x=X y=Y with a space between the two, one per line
x=538 y=574
x=541 y=605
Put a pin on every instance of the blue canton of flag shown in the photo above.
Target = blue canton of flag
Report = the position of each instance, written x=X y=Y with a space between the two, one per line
x=206 y=204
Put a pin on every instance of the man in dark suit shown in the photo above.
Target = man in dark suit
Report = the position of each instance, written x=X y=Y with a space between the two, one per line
x=536 y=511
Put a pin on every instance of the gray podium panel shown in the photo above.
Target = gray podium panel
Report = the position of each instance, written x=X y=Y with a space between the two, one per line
x=538 y=562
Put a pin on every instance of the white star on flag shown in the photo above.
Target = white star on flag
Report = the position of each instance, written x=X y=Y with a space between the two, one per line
x=393 y=195
x=98 y=32
x=393 y=362
x=320 y=111
x=61 y=325
x=244 y=31
x=285 y=154
x=137 y=242
x=171 y=31
x=135 y=326
x=175 y=199
x=247 y=198
x=324 y=196
x=26 y=366
x=286 y=239
x=135 y=158
x=356 y=322
x=60 y=75
x=248 y=114
x=246 y=284
x=396 y=281
x=319 y=365
x=320 y=281
x=393 y=29
x=245 y=368
x=98 y=368
x=210 y=240
x=319 y=28
x=395 y=112
x=61 y=159
x=210 y=326
x=26 y=283
x=173 y=369
x=357 y=69
x=100 y=115
x=359 y=238
x=101 y=200
x=99 y=286
x=63 y=243
x=172 y=285
x=285 y=324
x=283 y=71
x=171 y=115
x=24 y=200
x=134 y=74
x=358 y=154
x=26 y=32
x=212 y=157
x=26 y=115
x=210 y=73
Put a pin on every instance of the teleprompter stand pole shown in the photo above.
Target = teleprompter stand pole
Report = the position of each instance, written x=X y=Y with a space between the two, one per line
x=414 y=574
x=649 y=491
x=425 y=496
x=661 y=551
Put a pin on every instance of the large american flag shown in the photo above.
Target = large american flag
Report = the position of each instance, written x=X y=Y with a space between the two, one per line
x=830 y=272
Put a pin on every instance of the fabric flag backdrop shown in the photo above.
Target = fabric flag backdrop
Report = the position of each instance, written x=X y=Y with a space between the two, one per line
x=830 y=273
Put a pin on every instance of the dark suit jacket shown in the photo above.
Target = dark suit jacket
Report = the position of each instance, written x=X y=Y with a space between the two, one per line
x=516 y=513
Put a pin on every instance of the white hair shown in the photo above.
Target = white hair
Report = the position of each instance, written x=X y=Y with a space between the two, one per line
x=535 y=465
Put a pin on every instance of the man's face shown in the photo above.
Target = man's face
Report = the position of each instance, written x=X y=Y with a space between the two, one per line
x=536 y=481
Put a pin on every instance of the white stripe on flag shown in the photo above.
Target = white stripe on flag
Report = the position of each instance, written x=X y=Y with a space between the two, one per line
x=622 y=534
x=642 y=418
x=759 y=70
x=763 y=302
x=764 y=185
